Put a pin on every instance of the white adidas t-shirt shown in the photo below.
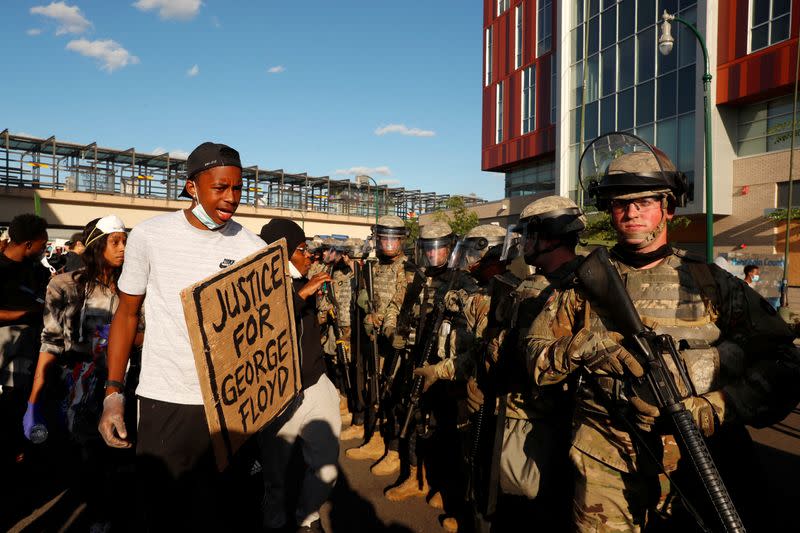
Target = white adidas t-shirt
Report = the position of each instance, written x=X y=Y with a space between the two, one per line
x=164 y=255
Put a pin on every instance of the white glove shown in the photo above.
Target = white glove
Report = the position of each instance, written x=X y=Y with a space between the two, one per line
x=112 y=421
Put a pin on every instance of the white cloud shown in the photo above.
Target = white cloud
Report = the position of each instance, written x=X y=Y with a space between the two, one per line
x=174 y=154
x=111 y=55
x=276 y=69
x=33 y=32
x=402 y=129
x=171 y=9
x=355 y=171
x=69 y=18
x=194 y=71
x=215 y=22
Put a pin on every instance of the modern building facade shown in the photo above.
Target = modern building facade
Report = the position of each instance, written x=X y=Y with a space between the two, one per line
x=557 y=74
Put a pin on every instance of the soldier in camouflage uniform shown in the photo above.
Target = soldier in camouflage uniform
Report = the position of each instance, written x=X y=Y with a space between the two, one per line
x=316 y=246
x=389 y=280
x=532 y=467
x=461 y=348
x=740 y=357
x=340 y=290
x=435 y=243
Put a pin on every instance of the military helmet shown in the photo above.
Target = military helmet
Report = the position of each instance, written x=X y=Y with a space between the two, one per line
x=476 y=244
x=433 y=238
x=356 y=248
x=552 y=216
x=389 y=234
x=623 y=166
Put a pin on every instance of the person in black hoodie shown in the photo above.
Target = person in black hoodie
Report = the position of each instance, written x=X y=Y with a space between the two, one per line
x=315 y=419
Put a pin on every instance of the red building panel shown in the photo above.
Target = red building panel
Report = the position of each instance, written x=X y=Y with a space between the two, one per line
x=743 y=77
x=516 y=149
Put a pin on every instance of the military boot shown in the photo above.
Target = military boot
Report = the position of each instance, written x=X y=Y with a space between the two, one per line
x=409 y=488
x=356 y=431
x=450 y=524
x=387 y=466
x=372 y=450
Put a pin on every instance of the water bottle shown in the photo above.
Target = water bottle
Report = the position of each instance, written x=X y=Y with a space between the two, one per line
x=38 y=433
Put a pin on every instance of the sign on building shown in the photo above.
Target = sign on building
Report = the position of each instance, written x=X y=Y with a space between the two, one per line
x=241 y=326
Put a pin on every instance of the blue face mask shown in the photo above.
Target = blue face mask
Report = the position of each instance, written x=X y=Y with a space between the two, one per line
x=201 y=215
x=756 y=277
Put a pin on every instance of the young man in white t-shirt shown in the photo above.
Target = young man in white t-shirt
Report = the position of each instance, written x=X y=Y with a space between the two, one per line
x=176 y=475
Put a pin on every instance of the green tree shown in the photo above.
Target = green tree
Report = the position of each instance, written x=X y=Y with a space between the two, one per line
x=456 y=213
x=412 y=225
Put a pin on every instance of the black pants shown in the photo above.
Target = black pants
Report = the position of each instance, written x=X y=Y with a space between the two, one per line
x=177 y=481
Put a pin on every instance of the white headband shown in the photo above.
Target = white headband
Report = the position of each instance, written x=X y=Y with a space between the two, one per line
x=107 y=224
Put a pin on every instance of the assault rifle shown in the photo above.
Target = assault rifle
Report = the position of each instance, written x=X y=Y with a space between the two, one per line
x=426 y=354
x=603 y=286
x=373 y=365
x=341 y=351
x=403 y=329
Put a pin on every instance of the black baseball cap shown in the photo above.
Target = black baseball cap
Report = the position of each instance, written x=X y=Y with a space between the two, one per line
x=209 y=155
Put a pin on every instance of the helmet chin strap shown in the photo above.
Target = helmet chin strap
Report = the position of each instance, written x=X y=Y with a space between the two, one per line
x=531 y=257
x=649 y=237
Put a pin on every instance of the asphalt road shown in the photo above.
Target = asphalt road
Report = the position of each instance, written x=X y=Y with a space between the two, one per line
x=357 y=503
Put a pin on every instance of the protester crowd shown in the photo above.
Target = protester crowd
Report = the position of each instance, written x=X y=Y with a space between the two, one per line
x=502 y=375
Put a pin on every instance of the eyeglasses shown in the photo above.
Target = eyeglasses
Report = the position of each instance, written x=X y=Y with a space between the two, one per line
x=301 y=250
x=642 y=204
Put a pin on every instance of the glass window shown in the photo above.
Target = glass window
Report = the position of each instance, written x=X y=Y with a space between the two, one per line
x=518 y=36
x=625 y=110
x=575 y=124
x=590 y=124
x=667 y=101
x=627 y=63
x=667 y=137
x=488 y=59
x=647 y=55
x=687 y=81
x=646 y=15
x=627 y=22
x=769 y=22
x=646 y=133
x=536 y=178
x=783 y=194
x=553 y=89
x=529 y=99
x=594 y=7
x=766 y=127
x=608 y=112
x=577 y=83
x=609 y=75
x=593 y=78
x=502 y=6
x=545 y=27
x=593 y=38
x=686 y=142
x=576 y=38
x=499 y=113
x=645 y=103
x=608 y=23
x=669 y=62
x=686 y=42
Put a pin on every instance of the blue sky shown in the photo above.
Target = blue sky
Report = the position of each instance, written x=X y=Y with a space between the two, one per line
x=322 y=87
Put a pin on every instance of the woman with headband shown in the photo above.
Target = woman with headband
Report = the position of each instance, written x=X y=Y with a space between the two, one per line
x=78 y=309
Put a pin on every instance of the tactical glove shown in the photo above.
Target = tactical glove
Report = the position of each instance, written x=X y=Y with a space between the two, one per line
x=706 y=411
x=474 y=396
x=112 y=421
x=428 y=372
x=363 y=300
x=600 y=353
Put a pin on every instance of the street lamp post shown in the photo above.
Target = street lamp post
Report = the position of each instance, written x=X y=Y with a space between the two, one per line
x=363 y=179
x=665 y=44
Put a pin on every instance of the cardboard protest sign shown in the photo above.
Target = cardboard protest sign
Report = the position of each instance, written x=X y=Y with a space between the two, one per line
x=242 y=330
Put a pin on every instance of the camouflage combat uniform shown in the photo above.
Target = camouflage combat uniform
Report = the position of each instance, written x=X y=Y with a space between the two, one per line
x=740 y=359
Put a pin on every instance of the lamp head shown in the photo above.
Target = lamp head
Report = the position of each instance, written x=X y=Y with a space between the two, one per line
x=666 y=41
